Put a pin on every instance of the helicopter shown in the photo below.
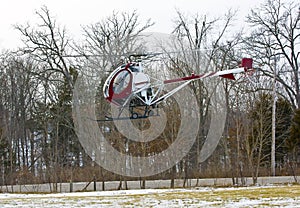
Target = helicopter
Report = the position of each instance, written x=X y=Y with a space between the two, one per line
x=130 y=86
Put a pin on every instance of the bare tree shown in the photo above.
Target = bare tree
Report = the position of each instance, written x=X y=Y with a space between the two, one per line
x=203 y=43
x=260 y=133
x=107 y=43
x=18 y=96
x=111 y=40
x=274 y=43
x=275 y=33
x=47 y=43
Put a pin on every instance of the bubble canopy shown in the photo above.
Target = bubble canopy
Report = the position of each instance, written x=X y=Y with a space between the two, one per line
x=123 y=81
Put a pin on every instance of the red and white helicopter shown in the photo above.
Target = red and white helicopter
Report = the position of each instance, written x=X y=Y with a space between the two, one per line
x=129 y=86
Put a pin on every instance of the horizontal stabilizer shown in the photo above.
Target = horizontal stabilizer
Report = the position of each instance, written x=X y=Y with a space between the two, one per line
x=228 y=76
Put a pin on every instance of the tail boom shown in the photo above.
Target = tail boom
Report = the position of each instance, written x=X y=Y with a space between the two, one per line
x=246 y=64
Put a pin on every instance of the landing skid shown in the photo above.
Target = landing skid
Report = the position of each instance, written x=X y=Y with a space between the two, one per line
x=134 y=115
x=107 y=118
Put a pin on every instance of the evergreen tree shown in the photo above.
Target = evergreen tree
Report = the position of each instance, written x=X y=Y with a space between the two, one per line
x=261 y=124
x=293 y=142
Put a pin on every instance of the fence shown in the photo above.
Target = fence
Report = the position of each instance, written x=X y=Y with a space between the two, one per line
x=150 y=184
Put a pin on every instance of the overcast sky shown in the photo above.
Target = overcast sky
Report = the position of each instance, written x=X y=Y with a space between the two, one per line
x=74 y=13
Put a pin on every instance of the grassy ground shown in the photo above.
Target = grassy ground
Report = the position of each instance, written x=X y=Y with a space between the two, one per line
x=275 y=196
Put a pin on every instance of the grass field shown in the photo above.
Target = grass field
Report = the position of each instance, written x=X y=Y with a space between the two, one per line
x=267 y=196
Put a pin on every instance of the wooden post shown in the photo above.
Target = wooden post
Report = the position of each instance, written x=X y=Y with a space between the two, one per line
x=95 y=183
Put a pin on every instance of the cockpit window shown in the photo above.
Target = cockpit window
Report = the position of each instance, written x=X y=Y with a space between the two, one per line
x=121 y=81
x=134 y=68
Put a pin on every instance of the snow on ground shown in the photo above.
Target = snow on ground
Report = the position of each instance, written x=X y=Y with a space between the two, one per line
x=267 y=196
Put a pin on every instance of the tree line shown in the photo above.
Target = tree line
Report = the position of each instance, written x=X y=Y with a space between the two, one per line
x=38 y=143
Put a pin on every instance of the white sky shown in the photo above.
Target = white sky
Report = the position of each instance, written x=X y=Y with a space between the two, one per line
x=74 y=13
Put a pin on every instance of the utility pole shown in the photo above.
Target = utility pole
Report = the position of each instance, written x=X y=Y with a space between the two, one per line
x=273 y=173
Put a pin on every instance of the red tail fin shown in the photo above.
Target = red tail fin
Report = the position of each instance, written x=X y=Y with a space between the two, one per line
x=247 y=63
